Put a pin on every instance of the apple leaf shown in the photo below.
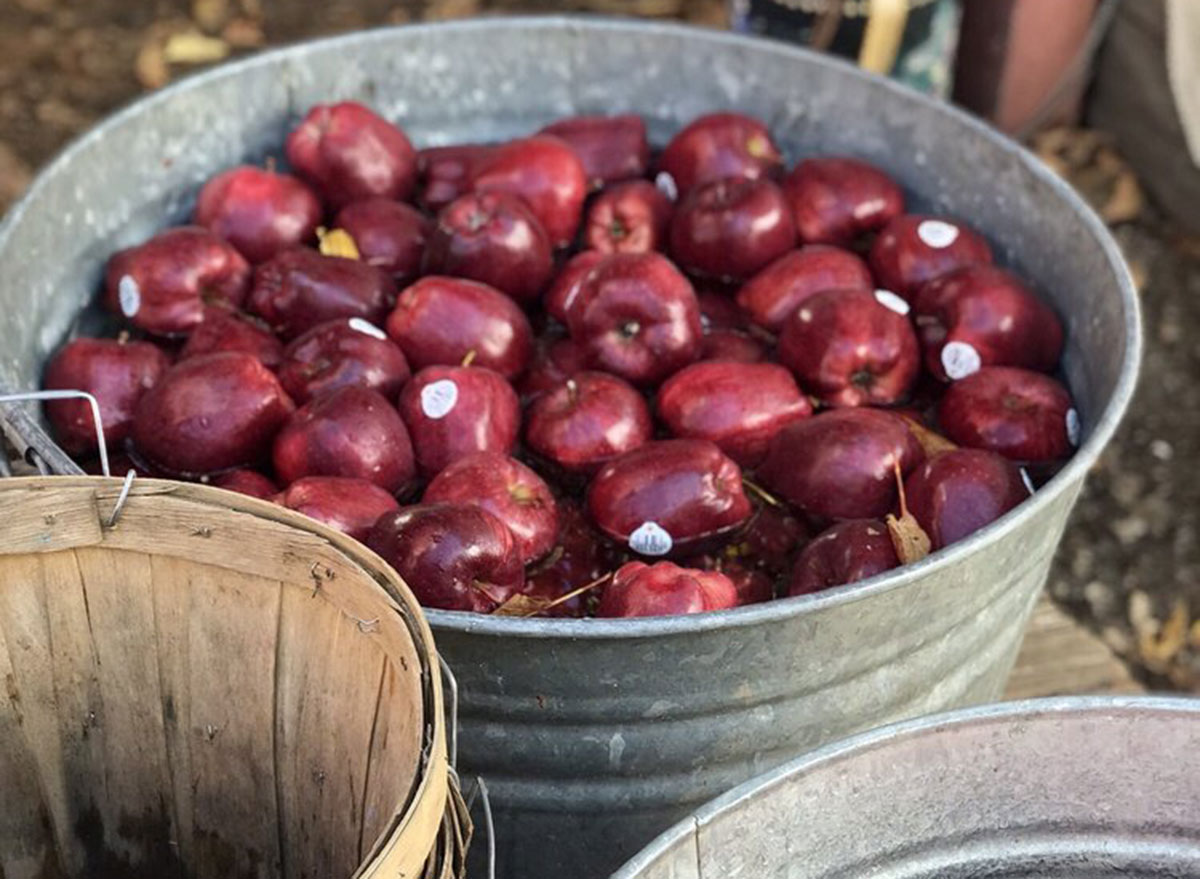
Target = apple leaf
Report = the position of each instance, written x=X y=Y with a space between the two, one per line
x=522 y=606
x=911 y=541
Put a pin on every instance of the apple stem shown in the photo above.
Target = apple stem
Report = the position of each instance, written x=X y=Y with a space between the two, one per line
x=761 y=493
x=900 y=488
x=562 y=599
x=469 y=358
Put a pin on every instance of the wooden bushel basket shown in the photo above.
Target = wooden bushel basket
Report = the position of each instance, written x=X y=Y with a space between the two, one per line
x=213 y=687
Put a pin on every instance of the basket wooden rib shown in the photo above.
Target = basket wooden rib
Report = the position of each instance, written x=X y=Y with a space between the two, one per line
x=214 y=687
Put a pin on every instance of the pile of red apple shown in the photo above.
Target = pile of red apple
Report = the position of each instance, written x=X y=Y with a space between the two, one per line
x=561 y=376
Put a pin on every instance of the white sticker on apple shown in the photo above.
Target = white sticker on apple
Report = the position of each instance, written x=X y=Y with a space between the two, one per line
x=1073 y=427
x=438 y=398
x=888 y=299
x=666 y=185
x=937 y=233
x=366 y=328
x=650 y=538
x=960 y=359
x=129 y=295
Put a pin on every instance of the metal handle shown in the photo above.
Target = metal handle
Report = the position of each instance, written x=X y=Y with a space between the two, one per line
x=450 y=691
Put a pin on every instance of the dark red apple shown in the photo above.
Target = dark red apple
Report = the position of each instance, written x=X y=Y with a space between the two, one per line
x=116 y=372
x=554 y=361
x=774 y=294
x=738 y=406
x=586 y=421
x=452 y=556
x=840 y=464
x=836 y=199
x=493 y=238
x=718 y=310
x=852 y=347
x=440 y=320
x=630 y=217
x=227 y=330
x=342 y=353
x=913 y=249
x=210 y=413
x=956 y=493
x=257 y=211
x=752 y=585
x=611 y=148
x=446 y=171
x=300 y=288
x=507 y=489
x=353 y=432
x=720 y=145
x=389 y=235
x=349 y=153
x=546 y=173
x=844 y=553
x=351 y=506
x=637 y=317
x=731 y=228
x=580 y=557
x=664 y=589
x=668 y=496
x=248 y=482
x=732 y=345
x=772 y=538
x=563 y=290
x=453 y=411
x=1022 y=415
x=984 y=316
x=164 y=285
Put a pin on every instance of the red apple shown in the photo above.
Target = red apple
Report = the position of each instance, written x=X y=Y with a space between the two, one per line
x=836 y=199
x=352 y=432
x=453 y=411
x=453 y=557
x=738 y=406
x=852 y=347
x=956 y=493
x=564 y=289
x=844 y=553
x=351 y=506
x=718 y=310
x=389 y=235
x=732 y=345
x=507 y=489
x=611 y=148
x=342 y=353
x=774 y=294
x=554 y=361
x=771 y=539
x=300 y=288
x=349 y=153
x=547 y=174
x=163 y=285
x=210 y=413
x=116 y=372
x=1023 y=415
x=259 y=212
x=731 y=228
x=637 y=317
x=586 y=421
x=580 y=557
x=491 y=237
x=248 y=482
x=752 y=585
x=440 y=320
x=226 y=330
x=446 y=171
x=840 y=464
x=630 y=217
x=668 y=496
x=720 y=145
x=913 y=249
x=984 y=316
x=664 y=589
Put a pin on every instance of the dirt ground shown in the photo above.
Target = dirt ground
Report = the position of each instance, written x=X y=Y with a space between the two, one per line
x=1130 y=562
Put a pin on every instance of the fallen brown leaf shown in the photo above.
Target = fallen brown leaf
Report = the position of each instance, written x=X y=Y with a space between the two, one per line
x=910 y=540
x=337 y=242
x=193 y=47
x=150 y=67
x=931 y=441
x=521 y=606
x=1158 y=651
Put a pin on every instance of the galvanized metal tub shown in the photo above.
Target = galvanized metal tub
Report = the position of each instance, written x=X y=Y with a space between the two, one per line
x=597 y=734
x=1076 y=787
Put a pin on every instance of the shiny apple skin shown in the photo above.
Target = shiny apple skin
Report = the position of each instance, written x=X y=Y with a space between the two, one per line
x=954 y=494
x=720 y=145
x=440 y=320
x=300 y=288
x=210 y=413
x=259 y=212
x=664 y=589
x=351 y=506
x=733 y=346
x=485 y=415
x=774 y=294
x=117 y=373
x=688 y=488
x=389 y=235
x=554 y=361
x=586 y=421
x=1017 y=413
x=631 y=217
x=445 y=172
x=994 y=312
x=611 y=148
x=342 y=353
x=226 y=330
x=837 y=199
x=902 y=261
x=839 y=463
x=493 y=238
x=738 y=406
x=347 y=152
x=560 y=296
x=841 y=554
x=248 y=482
x=453 y=557
x=164 y=285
